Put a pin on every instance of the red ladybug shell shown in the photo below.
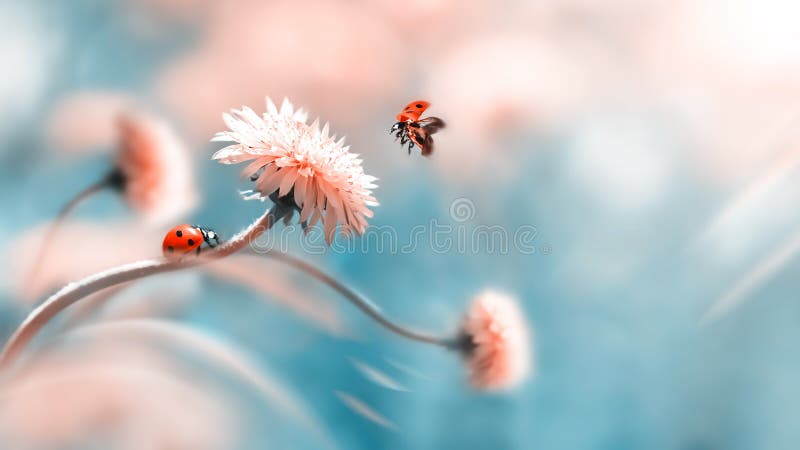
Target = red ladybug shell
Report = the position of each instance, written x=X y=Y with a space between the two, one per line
x=413 y=110
x=181 y=240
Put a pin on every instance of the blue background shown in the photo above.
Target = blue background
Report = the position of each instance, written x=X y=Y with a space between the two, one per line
x=621 y=358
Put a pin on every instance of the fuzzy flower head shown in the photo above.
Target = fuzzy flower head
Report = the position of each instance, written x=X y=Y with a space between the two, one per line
x=496 y=342
x=325 y=181
x=154 y=168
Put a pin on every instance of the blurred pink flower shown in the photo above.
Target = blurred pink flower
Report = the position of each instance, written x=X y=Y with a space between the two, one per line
x=86 y=120
x=153 y=166
x=498 y=353
x=127 y=396
x=429 y=27
x=273 y=52
x=214 y=353
x=65 y=261
x=290 y=157
x=173 y=10
x=157 y=170
x=729 y=73
x=519 y=81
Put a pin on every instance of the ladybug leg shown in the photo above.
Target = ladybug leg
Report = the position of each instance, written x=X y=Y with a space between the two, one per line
x=399 y=129
x=198 y=250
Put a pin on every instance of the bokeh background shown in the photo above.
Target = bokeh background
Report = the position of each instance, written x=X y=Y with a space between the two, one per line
x=653 y=144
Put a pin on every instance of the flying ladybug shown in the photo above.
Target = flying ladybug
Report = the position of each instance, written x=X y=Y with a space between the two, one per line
x=415 y=131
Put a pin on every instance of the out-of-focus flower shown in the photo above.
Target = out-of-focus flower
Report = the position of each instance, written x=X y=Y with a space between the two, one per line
x=217 y=354
x=753 y=38
x=152 y=167
x=125 y=396
x=497 y=346
x=156 y=169
x=729 y=70
x=171 y=11
x=86 y=121
x=152 y=171
x=324 y=69
x=288 y=156
x=65 y=262
x=431 y=26
x=519 y=82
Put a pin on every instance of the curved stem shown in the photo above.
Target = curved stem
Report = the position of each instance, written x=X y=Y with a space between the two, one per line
x=78 y=290
x=361 y=302
x=52 y=230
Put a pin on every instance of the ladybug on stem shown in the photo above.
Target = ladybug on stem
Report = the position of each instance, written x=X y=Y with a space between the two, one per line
x=415 y=131
x=183 y=239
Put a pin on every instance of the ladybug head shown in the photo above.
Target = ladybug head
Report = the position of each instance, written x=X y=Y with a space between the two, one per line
x=209 y=236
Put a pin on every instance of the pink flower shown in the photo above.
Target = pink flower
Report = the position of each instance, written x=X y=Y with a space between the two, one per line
x=85 y=121
x=124 y=395
x=280 y=56
x=498 y=344
x=504 y=95
x=288 y=156
x=66 y=262
x=155 y=167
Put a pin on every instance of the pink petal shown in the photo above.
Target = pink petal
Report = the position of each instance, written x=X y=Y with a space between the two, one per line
x=254 y=167
x=289 y=175
x=300 y=189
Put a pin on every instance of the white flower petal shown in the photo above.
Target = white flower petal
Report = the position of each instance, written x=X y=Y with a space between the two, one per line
x=329 y=182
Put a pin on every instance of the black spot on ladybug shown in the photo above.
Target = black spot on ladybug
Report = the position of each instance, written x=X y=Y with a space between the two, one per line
x=171 y=249
x=179 y=233
x=418 y=105
x=191 y=242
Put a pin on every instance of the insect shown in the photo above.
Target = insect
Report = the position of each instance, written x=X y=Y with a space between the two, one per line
x=415 y=131
x=184 y=238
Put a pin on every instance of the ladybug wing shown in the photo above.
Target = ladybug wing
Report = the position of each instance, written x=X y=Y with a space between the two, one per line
x=424 y=134
x=192 y=238
x=412 y=111
x=432 y=124
x=424 y=141
x=182 y=239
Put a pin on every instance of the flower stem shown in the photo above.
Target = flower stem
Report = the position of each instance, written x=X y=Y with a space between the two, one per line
x=52 y=229
x=362 y=303
x=76 y=291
